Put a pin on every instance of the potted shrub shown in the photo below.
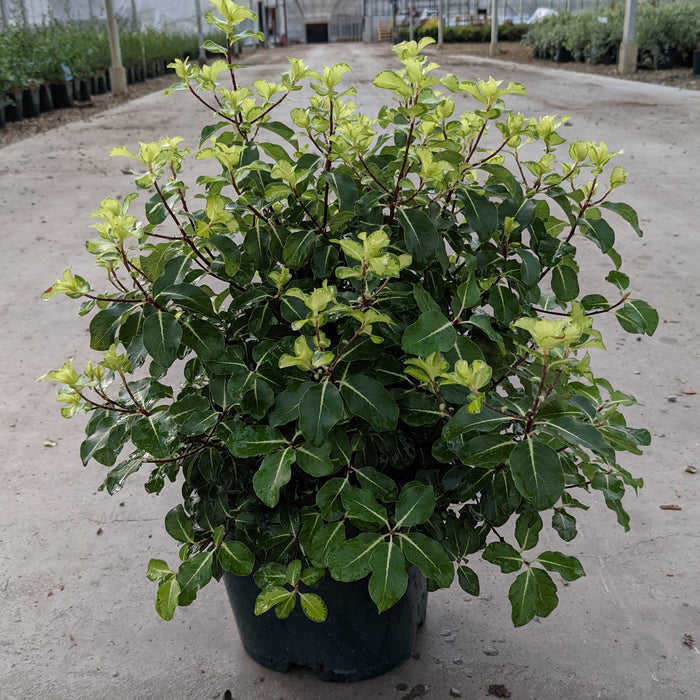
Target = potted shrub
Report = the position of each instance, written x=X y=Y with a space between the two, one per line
x=359 y=344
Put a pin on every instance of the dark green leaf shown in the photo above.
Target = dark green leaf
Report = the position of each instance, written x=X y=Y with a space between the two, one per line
x=487 y=450
x=389 y=579
x=419 y=233
x=117 y=476
x=104 y=326
x=429 y=556
x=468 y=580
x=235 y=557
x=533 y=593
x=626 y=212
x=564 y=524
x=569 y=568
x=467 y=295
x=154 y=434
x=537 y=473
x=503 y=555
x=486 y=421
x=195 y=573
x=204 y=338
x=324 y=261
x=328 y=498
x=415 y=505
x=316 y=460
x=600 y=232
x=432 y=332
x=257 y=244
x=297 y=248
x=344 y=188
x=506 y=306
x=325 y=541
x=612 y=488
x=527 y=529
x=275 y=471
x=361 y=505
x=189 y=297
x=379 y=485
x=575 y=432
x=350 y=561
x=637 y=316
x=564 y=282
x=479 y=211
x=368 y=399
x=230 y=253
x=320 y=408
x=178 y=525
x=250 y=441
x=622 y=515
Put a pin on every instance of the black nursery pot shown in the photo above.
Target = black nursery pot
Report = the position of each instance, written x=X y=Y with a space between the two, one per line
x=353 y=644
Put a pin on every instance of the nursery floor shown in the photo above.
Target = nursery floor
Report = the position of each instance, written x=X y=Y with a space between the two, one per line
x=77 y=610
x=512 y=51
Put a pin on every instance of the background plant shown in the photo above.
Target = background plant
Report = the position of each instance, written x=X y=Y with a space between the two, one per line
x=360 y=342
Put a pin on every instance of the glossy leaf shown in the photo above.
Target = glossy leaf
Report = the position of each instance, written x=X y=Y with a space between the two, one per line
x=389 y=579
x=533 y=593
x=429 y=556
x=537 y=473
x=235 y=557
x=432 y=332
x=568 y=567
x=351 y=560
x=415 y=505
x=320 y=409
x=504 y=556
x=178 y=525
x=274 y=472
x=368 y=399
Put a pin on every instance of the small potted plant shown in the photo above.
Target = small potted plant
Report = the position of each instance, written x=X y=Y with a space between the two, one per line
x=360 y=346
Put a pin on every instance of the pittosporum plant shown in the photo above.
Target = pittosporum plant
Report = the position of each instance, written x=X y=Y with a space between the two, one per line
x=361 y=343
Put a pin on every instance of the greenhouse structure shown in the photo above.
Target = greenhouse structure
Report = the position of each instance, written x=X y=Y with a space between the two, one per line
x=287 y=22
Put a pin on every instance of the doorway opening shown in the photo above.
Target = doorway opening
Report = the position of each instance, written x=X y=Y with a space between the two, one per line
x=317 y=33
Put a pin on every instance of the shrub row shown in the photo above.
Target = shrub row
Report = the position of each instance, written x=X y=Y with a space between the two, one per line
x=464 y=34
x=665 y=34
x=35 y=55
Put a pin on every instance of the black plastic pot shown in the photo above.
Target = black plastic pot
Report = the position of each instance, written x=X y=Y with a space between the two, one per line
x=562 y=55
x=3 y=123
x=62 y=95
x=31 y=103
x=45 y=99
x=13 y=106
x=696 y=62
x=353 y=644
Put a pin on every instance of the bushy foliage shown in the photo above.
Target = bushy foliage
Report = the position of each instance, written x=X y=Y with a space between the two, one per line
x=31 y=55
x=358 y=343
x=593 y=35
x=464 y=34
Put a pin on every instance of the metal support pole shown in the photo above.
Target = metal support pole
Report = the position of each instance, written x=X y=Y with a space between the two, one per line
x=440 y=18
x=627 y=62
x=410 y=20
x=200 y=32
x=3 y=13
x=493 y=46
x=117 y=73
x=284 y=15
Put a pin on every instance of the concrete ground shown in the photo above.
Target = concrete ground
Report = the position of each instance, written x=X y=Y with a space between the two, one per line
x=76 y=611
